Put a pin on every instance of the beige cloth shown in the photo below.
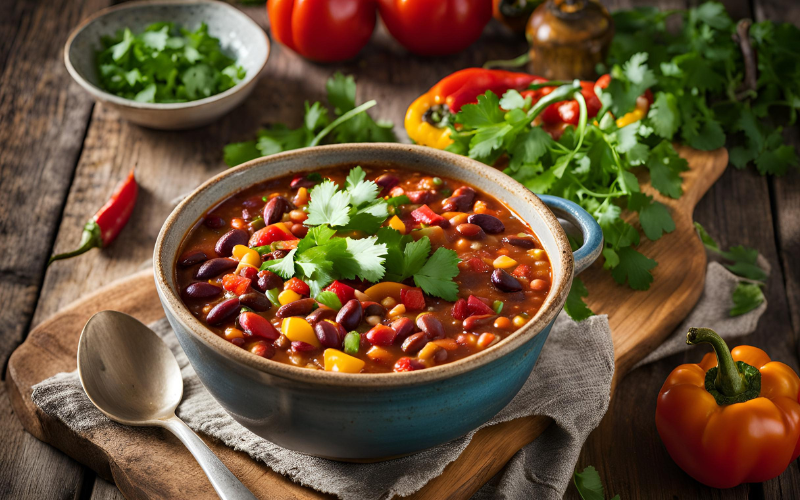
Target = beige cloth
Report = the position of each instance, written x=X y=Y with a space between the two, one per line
x=570 y=383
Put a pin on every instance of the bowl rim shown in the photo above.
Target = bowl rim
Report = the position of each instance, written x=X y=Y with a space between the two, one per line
x=99 y=93
x=547 y=313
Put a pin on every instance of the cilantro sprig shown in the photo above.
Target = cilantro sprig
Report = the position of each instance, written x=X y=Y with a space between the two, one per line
x=352 y=124
x=356 y=208
x=748 y=294
x=166 y=64
x=589 y=485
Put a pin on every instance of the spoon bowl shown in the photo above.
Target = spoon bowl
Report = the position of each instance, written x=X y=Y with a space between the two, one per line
x=131 y=376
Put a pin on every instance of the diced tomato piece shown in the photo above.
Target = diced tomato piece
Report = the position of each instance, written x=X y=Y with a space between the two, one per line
x=418 y=197
x=254 y=325
x=522 y=271
x=236 y=284
x=477 y=306
x=344 y=292
x=460 y=310
x=268 y=235
x=298 y=286
x=413 y=299
x=475 y=264
x=406 y=364
x=248 y=272
x=381 y=335
x=424 y=215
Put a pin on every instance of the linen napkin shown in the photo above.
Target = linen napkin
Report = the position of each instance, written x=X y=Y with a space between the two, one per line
x=570 y=383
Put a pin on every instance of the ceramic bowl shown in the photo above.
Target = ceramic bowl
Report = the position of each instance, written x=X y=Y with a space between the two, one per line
x=369 y=416
x=239 y=36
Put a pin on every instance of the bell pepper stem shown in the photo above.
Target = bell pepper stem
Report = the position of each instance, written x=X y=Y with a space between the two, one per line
x=518 y=61
x=91 y=238
x=729 y=381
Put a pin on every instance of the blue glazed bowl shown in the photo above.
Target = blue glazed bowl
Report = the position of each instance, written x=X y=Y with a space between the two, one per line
x=370 y=416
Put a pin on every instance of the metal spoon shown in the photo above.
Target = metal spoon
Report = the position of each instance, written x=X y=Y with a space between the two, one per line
x=131 y=376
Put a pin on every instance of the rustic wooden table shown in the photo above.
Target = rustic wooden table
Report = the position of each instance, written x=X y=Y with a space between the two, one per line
x=61 y=155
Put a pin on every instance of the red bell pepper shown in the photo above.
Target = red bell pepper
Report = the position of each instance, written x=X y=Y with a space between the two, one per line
x=424 y=215
x=344 y=292
x=298 y=286
x=236 y=284
x=270 y=234
x=413 y=299
x=107 y=223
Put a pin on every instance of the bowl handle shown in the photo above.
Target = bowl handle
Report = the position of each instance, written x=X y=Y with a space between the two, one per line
x=590 y=229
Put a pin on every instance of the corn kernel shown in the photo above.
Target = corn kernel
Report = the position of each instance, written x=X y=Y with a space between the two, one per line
x=233 y=333
x=519 y=321
x=537 y=253
x=379 y=354
x=504 y=262
x=388 y=302
x=502 y=323
x=458 y=219
x=288 y=296
x=297 y=329
x=337 y=361
x=397 y=310
x=428 y=351
x=396 y=223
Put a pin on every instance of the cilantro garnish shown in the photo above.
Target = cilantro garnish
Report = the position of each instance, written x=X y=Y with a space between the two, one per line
x=165 y=64
x=575 y=307
x=748 y=294
x=357 y=207
x=352 y=124
x=329 y=299
x=589 y=485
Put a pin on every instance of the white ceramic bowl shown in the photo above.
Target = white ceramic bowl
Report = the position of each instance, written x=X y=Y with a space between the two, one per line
x=240 y=37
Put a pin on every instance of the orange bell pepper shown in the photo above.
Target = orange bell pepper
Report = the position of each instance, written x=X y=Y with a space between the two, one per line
x=730 y=420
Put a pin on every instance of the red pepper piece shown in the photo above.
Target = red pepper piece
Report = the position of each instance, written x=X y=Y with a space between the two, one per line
x=344 y=292
x=522 y=271
x=107 y=223
x=413 y=299
x=406 y=364
x=297 y=285
x=477 y=306
x=424 y=215
x=475 y=264
x=460 y=310
x=269 y=234
x=236 y=284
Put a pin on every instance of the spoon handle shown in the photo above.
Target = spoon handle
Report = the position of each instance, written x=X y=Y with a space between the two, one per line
x=227 y=486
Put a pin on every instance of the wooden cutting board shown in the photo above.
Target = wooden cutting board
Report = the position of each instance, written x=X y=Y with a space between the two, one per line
x=151 y=463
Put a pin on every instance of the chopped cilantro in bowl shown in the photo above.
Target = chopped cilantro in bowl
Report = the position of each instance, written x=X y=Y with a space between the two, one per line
x=166 y=64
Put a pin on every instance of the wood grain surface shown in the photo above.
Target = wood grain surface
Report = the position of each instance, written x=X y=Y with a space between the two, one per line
x=131 y=458
x=47 y=170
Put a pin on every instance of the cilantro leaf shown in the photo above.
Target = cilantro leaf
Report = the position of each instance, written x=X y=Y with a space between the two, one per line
x=653 y=216
x=575 y=307
x=664 y=115
x=589 y=485
x=486 y=112
x=395 y=242
x=415 y=255
x=706 y=238
x=282 y=267
x=634 y=268
x=436 y=276
x=665 y=167
x=744 y=263
x=329 y=299
x=370 y=257
x=328 y=205
x=746 y=297
x=240 y=152
x=361 y=191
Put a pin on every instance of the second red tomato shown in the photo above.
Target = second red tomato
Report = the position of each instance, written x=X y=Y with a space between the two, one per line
x=435 y=27
x=322 y=30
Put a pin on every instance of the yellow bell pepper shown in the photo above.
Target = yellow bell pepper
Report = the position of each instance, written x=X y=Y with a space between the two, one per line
x=297 y=329
x=385 y=289
x=288 y=296
x=337 y=361
x=421 y=131
x=397 y=224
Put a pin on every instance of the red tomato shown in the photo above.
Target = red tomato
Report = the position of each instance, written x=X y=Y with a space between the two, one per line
x=477 y=306
x=435 y=28
x=298 y=286
x=413 y=299
x=236 y=284
x=322 y=30
x=460 y=310
x=424 y=215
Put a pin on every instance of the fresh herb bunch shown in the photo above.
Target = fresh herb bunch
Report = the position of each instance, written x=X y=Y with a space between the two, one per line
x=320 y=257
x=707 y=83
x=352 y=124
x=748 y=294
x=589 y=164
x=166 y=64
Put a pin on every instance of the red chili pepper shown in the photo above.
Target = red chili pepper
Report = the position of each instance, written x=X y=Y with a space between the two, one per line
x=107 y=223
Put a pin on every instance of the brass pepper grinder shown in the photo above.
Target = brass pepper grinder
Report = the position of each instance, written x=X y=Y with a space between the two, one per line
x=568 y=38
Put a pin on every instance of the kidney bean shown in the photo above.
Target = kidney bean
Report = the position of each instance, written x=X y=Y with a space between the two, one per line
x=418 y=197
x=214 y=267
x=320 y=314
x=414 y=342
x=274 y=255
x=471 y=231
x=432 y=327
x=263 y=349
x=327 y=334
x=373 y=309
x=300 y=307
x=381 y=335
x=255 y=301
x=404 y=327
x=192 y=257
x=488 y=223
x=505 y=282
x=457 y=203
x=203 y=290
x=350 y=315
x=227 y=241
x=478 y=320
x=214 y=221
x=539 y=285
x=299 y=230
x=301 y=180
x=440 y=356
x=257 y=326
x=387 y=182
x=282 y=342
x=237 y=341
x=275 y=208
x=519 y=241
x=300 y=346
x=223 y=311
x=267 y=280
